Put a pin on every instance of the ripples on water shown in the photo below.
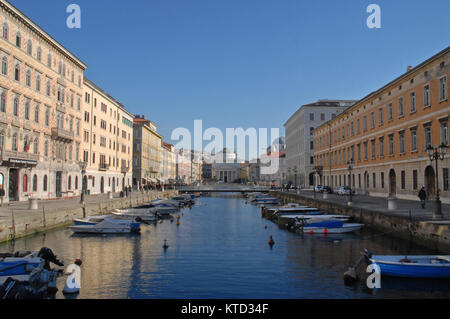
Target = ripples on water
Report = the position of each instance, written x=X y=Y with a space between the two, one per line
x=220 y=250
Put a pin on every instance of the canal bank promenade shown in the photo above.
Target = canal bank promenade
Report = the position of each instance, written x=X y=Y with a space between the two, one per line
x=17 y=220
x=409 y=221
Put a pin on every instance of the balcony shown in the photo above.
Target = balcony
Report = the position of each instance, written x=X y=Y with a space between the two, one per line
x=103 y=167
x=124 y=169
x=62 y=135
x=20 y=158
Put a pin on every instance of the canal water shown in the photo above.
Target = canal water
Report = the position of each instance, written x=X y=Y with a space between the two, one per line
x=220 y=250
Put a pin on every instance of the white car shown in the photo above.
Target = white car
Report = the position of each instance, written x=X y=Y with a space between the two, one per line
x=344 y=190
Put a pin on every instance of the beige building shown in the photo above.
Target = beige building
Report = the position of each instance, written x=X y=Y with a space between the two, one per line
x=147 y=152
x=107 y=140
x=40 y=111
x=168 y=163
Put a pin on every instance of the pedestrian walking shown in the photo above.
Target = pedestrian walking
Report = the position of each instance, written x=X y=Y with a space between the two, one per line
x=423 y=196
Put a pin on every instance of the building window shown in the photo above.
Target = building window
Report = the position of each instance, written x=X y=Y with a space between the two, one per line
x=16 y=106
x=428 y=138
x=381 y=146
x=36 y=113
x=5 y=65
x=311 y=116
x=38 y=82
x=400 y=107
x=322 y=116
x=372 y=120
x=69 y=183
x=47 y=116
x=380 y=116
x=39 y=54
x=374 y=180
x=76 y=182
x=18 y=40
x=35 y=183
x=365 y=123
x=443 y=94
x=44 y=185
x=27 y=110
x=29 y=47
x=28 y=78
x=46 y=149
x=17 y=72
x=5 y=31
x=412 y=102
x=366 y=151
x=390 y=111
x=49 y=60
x=36 y=146
x=382 y=180
x=402 y=142
x=414 y=140
x=426 y=95
x=444 y=133
x=391 y=144
x=14 y=142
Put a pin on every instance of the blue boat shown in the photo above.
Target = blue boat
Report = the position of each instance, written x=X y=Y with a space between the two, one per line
x=437 y=267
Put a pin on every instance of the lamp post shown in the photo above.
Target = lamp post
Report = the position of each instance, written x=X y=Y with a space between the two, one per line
x=83 y=166
x=350 y=169
x=317 y=171
x=436 y=154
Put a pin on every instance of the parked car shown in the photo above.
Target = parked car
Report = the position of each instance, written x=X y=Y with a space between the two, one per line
x=318 y=188
x=345 y=190
x=328 y=189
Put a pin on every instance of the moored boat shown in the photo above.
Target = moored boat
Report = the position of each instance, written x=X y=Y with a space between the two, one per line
x=431 y=266
x=107 y=226
x=331 y=227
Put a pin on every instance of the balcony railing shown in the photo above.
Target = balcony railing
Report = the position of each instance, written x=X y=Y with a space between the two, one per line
x=103 y=167
x=61 y=134
x=16 y=157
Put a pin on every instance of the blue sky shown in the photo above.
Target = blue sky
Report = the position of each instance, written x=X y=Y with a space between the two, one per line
x=241 y=63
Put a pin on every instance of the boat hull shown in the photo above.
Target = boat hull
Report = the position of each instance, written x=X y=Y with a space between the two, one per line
x=392 y=268
x=346 y=228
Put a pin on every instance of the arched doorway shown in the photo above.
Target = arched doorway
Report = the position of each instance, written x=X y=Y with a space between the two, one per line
x=311 y=179
x=13 y=185
x=102 y=185
x=392 y=183
x=430 y=182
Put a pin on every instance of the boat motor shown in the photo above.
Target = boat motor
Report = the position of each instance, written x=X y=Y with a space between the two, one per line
x=351 y=276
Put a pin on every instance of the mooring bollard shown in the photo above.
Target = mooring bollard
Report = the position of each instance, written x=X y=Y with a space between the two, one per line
x=392 y=203
x=33 y=203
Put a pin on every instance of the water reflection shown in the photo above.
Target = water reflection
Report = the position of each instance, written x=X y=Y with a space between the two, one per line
x=220 y=250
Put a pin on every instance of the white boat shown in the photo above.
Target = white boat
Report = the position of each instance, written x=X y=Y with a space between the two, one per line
x=299 y=210
x=331 y=227
x=290 y=206
x=133 y=215
x=91 y=220
x=312 y=218
x=107 y=226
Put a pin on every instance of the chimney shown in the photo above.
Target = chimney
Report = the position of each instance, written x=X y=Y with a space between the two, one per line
x=409 y=68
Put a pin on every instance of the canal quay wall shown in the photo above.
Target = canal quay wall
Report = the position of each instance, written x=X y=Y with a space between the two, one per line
x=17 y=221
x=434 y=234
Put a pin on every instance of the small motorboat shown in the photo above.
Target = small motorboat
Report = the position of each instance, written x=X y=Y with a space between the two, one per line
x=266 y=200
x=133 y=215
x=330 y=227
x=299 y=210
x=313 y=218
x=437 y=267
x=28 y=274
x=91 y=220
x=289 y=207
x=108 y=226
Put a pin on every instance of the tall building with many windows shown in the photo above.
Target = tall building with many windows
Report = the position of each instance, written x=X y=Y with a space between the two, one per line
x=299 y=138
x=147 y=152
x=386 y=134
x=107 y=141
x=41 y=85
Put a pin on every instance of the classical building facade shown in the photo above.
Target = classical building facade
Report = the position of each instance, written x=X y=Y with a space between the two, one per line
x=183 y=166
x=107 y=141
x=147 y=152
x=386 y=134
x=168 y=163
x=41 y=87
x=299 y=137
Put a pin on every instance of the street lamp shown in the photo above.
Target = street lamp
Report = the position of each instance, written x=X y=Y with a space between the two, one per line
x=350 y=169
x=436 y=154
